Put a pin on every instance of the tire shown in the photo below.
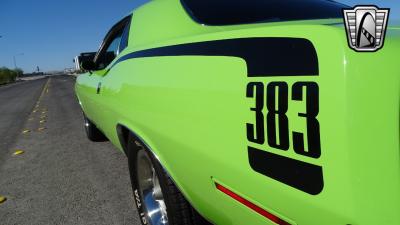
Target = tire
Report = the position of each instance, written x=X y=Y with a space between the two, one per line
x=92 y=132
x=158 y=194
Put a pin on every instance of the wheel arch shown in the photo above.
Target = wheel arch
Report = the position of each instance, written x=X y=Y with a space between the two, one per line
x=124 y=133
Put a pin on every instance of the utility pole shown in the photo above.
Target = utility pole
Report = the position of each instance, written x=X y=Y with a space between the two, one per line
x=15 y=59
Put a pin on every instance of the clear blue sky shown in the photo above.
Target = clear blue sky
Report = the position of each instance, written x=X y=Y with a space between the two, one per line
x=51 y=32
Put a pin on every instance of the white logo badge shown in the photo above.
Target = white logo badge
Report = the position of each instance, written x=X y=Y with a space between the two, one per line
x=366 y=27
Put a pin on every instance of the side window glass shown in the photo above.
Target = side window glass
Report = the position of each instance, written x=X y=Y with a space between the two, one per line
x=116 y=41
x=125 y=37
x=106 y=57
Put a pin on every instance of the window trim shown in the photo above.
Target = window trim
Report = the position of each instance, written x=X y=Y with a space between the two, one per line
x=110 y=36
x=126 y=32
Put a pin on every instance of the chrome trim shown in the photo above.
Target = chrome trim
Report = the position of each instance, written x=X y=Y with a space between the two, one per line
x=150 y=189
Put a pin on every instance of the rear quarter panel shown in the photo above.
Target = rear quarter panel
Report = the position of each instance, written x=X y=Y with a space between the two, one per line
x=192 y=111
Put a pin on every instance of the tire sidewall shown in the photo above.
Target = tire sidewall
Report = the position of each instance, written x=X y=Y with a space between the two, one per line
x=92 y=132
x=137 y=195
x=87 y=125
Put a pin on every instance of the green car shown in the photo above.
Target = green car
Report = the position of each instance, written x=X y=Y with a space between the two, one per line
x=249 y=112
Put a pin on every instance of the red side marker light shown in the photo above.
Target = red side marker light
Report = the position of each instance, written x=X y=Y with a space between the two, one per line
x=252 y=206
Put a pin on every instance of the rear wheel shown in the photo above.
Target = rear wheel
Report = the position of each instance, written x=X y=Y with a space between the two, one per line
x=92 y=132
x=158 y=200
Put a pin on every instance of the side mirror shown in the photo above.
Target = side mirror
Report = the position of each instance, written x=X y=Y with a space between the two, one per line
x=85 y=61
x=88 y=65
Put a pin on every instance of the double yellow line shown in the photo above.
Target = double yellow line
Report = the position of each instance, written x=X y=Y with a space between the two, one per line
x=45 y=90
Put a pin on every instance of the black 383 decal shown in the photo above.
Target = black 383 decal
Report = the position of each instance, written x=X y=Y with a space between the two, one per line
x=269 y=57
x=274 y=97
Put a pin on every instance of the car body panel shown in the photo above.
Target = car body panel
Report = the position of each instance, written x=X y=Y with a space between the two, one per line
x=192 y=112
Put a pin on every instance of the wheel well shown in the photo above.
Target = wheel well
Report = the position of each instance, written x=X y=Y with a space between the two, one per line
x=123 y=135
x=126 y=135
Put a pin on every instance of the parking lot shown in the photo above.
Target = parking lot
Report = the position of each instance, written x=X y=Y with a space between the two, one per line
x=60 y=177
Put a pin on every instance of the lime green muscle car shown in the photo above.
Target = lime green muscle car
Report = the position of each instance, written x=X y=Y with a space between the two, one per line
x=249 y=112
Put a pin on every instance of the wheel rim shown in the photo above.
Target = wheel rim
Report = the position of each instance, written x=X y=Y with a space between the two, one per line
x=87 y=124
x=150 y=189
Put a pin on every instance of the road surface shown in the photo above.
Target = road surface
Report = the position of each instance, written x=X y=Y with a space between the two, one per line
x=61 y=178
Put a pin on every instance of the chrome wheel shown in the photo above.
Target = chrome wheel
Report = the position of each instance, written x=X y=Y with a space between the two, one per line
x=150 y=190
x=87 y=124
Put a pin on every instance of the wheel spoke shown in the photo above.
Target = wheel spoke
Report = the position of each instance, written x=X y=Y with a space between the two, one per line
x=150 y=188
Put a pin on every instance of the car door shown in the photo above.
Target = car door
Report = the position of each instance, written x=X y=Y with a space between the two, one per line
x=114 y=42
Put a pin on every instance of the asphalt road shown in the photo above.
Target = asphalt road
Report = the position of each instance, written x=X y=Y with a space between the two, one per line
x=62 y=178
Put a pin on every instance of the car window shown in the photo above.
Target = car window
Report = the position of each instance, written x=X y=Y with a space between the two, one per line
x=125 y=37
x=228 y=12
x=107 y=56
x=113 y=44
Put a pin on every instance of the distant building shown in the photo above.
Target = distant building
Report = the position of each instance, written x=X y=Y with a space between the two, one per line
x=69 y=70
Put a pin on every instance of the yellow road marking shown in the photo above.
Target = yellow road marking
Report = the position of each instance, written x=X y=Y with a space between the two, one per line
x=41 y=129
x=43 y=91
x=26 y=131
x=37 y=106
x=18 y=152
x=42 y=121
x=2 y=199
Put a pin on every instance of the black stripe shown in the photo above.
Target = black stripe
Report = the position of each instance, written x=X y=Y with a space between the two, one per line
x=264 y=56
x=300 y=175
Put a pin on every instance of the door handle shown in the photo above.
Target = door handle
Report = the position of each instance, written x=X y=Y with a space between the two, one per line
x=98 y=88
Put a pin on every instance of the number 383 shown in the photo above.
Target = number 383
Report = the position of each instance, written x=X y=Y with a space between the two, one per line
x=276 y=123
